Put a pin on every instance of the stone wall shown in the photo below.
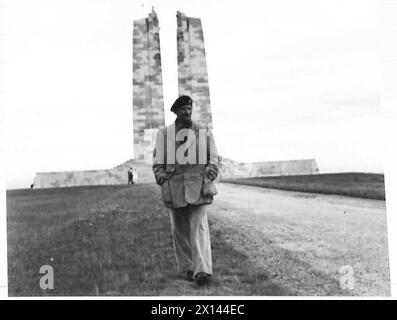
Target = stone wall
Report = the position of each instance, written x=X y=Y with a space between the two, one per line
x=148 y=103
x=234 y=169
x=117 y=175
x=192 y=67
x=143 y=172
x=80 y=178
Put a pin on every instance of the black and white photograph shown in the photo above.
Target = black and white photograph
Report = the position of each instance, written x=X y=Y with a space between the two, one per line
x=196 y=148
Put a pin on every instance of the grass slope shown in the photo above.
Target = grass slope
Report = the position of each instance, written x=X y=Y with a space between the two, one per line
x=111 y=240
x=363 y=185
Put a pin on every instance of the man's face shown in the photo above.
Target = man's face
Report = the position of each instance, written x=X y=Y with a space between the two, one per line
x=184 y=112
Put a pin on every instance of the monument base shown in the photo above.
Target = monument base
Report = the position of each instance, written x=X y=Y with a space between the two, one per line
x=234 y=169
x=115 y=176
x=143 y=173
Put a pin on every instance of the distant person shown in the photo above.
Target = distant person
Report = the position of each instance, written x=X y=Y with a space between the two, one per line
x=31 y=186
x=130 y=176
x=187 y=188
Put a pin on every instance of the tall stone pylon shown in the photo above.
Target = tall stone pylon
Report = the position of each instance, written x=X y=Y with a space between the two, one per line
x=192 y=67
x=148 y=103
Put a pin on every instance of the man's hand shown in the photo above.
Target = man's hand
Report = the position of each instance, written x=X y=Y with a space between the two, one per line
x=211 y=173
x=161 y=178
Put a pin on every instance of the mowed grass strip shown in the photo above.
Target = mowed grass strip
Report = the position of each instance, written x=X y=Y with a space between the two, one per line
x=111 y=240
x=362 y=185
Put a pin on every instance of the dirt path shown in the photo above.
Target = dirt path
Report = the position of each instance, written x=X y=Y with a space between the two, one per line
x=302 y=240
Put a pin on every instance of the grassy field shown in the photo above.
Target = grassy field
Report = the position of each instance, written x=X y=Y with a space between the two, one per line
x=363 y=185
x=111 y=240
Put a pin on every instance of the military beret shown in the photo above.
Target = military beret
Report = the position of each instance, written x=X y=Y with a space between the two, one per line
x=182 y=101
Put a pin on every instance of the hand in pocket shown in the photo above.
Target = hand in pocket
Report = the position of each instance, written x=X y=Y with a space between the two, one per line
x=209 y=188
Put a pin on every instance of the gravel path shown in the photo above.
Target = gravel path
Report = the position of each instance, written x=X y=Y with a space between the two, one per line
x=303 y=240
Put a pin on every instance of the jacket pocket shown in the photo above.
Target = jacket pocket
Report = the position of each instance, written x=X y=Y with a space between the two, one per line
x=166 y=192
x=193 y=184
x=209 y=188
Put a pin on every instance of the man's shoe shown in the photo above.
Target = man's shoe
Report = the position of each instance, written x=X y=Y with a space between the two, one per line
x=202 y=279
x=189 y=276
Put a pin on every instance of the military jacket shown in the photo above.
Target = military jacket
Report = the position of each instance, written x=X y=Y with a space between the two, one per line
x=186 y=182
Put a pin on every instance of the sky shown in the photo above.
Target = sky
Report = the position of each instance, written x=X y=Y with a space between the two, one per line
x=288 y=80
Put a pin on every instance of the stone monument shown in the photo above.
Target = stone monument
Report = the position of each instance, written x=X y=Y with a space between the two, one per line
x=148 y=111
x=148 y=103
x=192 y=67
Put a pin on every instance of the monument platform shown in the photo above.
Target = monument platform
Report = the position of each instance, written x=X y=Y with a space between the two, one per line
x=117 y=175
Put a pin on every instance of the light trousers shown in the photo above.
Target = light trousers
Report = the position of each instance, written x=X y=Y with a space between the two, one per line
x=191 y=238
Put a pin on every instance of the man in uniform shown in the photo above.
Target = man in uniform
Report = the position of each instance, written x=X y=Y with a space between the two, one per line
x=185 y=163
